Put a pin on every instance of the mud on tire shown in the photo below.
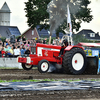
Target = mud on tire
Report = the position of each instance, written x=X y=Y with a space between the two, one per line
x=74 y=61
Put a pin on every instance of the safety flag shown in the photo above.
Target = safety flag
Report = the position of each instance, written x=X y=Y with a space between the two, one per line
x=69 y=20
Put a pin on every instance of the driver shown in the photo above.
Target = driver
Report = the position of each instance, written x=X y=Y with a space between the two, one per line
x=63 y=46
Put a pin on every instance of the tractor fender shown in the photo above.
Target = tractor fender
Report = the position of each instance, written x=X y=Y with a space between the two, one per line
x=68 y=48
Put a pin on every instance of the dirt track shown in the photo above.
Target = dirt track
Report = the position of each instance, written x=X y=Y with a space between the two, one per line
x=10 y=74
x=20 y=74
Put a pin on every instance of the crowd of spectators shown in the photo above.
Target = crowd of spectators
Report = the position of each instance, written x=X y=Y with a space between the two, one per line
x=20 y=47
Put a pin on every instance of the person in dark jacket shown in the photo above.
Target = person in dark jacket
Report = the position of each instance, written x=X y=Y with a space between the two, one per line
x=63 y=46
x=24 y=40
x=27 y=51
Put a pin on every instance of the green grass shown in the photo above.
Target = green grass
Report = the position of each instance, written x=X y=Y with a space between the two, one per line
x=35 y=80
x=9 y=68
x=39 y=80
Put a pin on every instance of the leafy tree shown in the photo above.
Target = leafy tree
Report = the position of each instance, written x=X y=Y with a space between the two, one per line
x=36 y=13
x=3 y=39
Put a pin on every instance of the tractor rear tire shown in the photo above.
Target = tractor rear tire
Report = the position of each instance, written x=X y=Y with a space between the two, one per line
x=43 y=66
x=27 y=67
x=74 y=61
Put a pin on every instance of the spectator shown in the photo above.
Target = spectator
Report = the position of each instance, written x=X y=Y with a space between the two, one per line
x=39 y=41
x=24 y=40
x=27 y=51
x=29 y=41
x=17 y=51
x=57 y=41
x=9 y=46
x=0 y=36
x=0 y=50
x=26 y=45
x=54 y=42
x=4 y=44
x=1 y=43
x=11 y=51
x=36 y=38
x=21 y=42
x=22 y=50
x=33 y=43
x=17 y=40
x=3 y=52
x=6 y=49
x=20 y=39
x=44 y=41
x=7 y=41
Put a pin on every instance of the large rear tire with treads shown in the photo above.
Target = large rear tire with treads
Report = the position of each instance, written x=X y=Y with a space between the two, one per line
x=74 y=61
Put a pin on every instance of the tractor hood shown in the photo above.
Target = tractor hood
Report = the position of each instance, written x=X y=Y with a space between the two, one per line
x=48 y=46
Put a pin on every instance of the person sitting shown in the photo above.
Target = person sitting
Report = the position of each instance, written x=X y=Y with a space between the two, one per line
x=63 y=46
x=6 y=49
x=3 y=52
x=11 y=52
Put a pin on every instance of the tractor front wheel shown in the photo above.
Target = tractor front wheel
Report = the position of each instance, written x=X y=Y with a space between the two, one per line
x=74 y=61
x=43 y=66
x=27 y=66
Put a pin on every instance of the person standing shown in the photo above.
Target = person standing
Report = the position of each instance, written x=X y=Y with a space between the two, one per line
x=24 y=40
x=17 y=51
x=22 y=50
x=27 y=45
x=44 y=41
x=27 y=51
x=57 y=41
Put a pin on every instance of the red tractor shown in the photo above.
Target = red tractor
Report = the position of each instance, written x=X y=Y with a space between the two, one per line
x=43 y=56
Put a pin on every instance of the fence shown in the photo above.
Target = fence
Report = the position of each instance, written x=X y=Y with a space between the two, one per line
x=10 y=62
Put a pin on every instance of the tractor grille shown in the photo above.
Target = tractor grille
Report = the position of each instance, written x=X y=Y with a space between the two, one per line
x=33 y=50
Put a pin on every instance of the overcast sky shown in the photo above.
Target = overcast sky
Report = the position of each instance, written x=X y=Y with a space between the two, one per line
x=18 y=15
x=95 y=23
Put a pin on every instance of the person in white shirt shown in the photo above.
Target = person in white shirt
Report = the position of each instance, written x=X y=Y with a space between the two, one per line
x=17 y=51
